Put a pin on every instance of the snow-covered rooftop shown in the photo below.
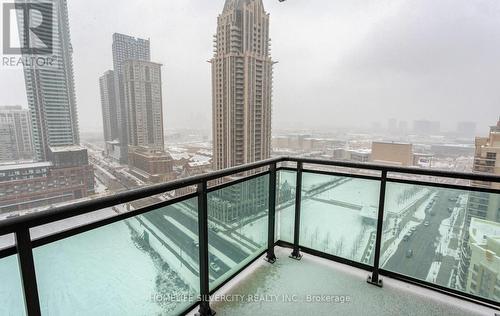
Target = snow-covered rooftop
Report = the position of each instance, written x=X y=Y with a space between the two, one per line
x=480 y=229
x=5 y=167
x=56 y=149
x=179 y=155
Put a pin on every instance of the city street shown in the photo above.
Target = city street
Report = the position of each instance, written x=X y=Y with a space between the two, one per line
x=423 y=242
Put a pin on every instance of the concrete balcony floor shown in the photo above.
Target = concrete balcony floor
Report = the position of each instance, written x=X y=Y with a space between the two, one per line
x=282 y=289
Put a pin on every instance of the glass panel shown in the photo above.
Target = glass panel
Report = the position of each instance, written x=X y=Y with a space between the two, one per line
x=11 y=293
x=145 y=265
x=238 y=219
x=339 y=216
x=447 y=237
x=7 y=241
x=285 y=204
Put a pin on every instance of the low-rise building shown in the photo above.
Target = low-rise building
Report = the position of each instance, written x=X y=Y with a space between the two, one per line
x=400 y=154
x=150 y=165
x=67 y=176
x=358 y=155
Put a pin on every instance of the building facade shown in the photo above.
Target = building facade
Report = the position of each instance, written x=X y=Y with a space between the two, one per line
x=66 y=176
x=241 y=104
x=125 y=48
x=15 y=134
x=109 y=106
x=150 y=165
x=483 y=278
x=241 y=85
x=50 y=88
x=143 y=96
x=481 y=205
x=399 y=154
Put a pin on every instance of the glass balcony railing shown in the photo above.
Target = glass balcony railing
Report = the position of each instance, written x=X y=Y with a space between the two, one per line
x=169 y=257
x=91 y=266
x=285 y=205
x=441 y=236
x=237 y=227
x=348 y=204
x=11 y=292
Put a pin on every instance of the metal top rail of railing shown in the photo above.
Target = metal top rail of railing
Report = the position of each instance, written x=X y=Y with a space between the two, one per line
x=10 y=225
x=20 y=226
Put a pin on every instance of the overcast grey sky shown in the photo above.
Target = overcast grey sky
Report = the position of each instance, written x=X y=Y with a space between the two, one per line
x=341 y=63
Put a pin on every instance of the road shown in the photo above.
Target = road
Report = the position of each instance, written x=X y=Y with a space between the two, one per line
x=187 y=244
x=423 y=242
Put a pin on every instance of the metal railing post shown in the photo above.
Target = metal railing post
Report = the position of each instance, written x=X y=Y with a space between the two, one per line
x=27 y=270
x=298 y=200
x=271 y=257
x=204 y=309
x=375 y=278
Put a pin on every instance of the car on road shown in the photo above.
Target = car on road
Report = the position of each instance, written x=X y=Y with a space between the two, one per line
x=413 y=229
x=450 y=209
x=196 y=244
x=409 y=253
x=426 y=223
x=214 y=266
x=213 y=228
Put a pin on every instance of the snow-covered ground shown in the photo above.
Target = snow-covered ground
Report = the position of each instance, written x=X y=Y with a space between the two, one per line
x=400 y=196
x=101 y=169
x=256 y=231
x=357 y=191
x=100 y=272
x=285 y=219
x=95 y=273
x=329 y=228
x=99 y=187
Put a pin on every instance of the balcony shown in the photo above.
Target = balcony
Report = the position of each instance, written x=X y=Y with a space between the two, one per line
x=337 y=237
x=321 y=287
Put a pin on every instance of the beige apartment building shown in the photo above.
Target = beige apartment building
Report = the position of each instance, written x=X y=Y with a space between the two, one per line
x=481 y=205
x=241 y=85
x=400 y=154
x=146 y=156
x=242 y=78
x=144 y=104
x=484 y=242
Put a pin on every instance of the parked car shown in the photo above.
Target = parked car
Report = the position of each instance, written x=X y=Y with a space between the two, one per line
x=409 y=253
x=426 y=223
x=214 y=266
x=406 y=237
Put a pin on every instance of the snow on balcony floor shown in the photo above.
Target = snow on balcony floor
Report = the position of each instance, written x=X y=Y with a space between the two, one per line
x=263 y=289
